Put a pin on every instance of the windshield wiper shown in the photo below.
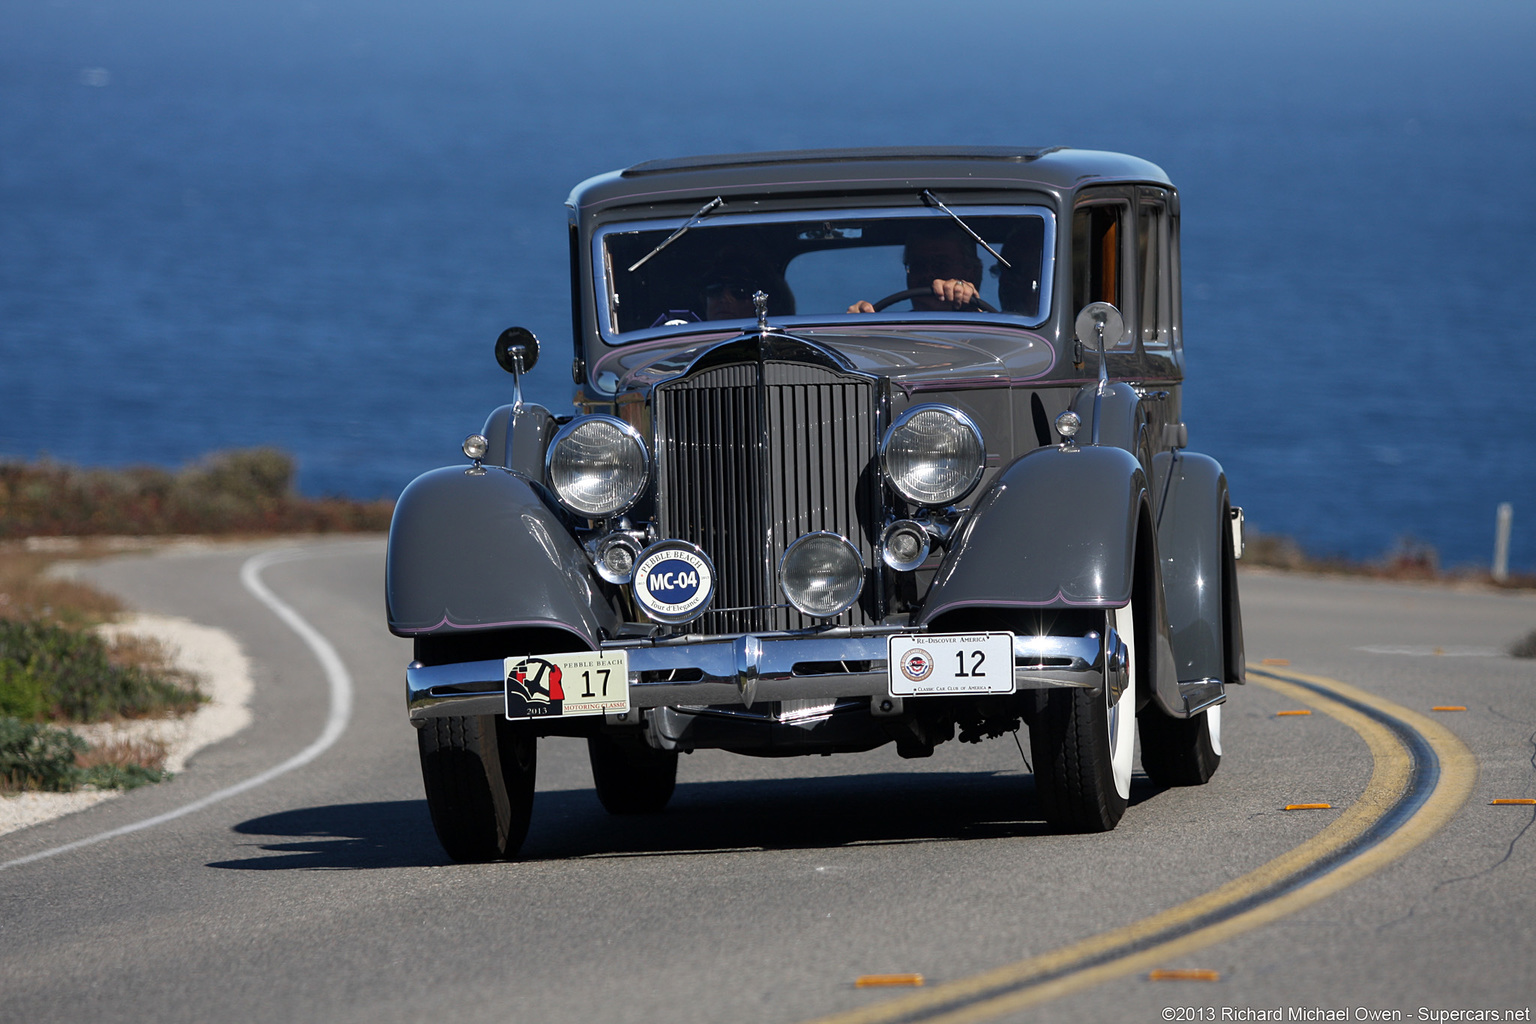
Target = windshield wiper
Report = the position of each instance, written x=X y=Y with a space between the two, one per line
x=929 y=197
x=674 y=236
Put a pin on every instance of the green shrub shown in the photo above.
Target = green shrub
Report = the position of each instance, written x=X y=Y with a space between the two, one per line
x=35 y=756
x=23 y=693
x=38 y=756
x=49 y=672
x=121 y=776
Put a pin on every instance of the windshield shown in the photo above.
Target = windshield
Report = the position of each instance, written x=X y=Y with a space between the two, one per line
x=823 y=266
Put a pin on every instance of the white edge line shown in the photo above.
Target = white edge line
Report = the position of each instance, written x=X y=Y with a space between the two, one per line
x=336 y=675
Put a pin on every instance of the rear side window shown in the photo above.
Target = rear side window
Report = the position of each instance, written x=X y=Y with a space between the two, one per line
x=1099 y=273
x=1154 y=297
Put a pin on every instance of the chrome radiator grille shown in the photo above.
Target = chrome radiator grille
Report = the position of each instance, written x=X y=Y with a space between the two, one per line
x=751 y=456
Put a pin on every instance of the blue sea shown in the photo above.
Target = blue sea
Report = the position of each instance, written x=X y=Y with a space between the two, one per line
x=303 y=222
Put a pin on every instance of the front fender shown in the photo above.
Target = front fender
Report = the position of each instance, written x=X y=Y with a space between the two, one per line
x=1056 y=529
x=1065 y=528
x=474 y=551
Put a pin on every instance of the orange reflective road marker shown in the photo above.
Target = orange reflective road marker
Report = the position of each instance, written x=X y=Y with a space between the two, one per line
x=1190 y=974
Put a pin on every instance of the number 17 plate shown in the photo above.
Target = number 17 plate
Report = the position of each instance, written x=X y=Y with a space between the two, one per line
x=931 y=664
x=562 y=685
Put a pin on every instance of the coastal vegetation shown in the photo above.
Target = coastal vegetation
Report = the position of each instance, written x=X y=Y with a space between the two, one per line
x=247 y=491
x=56 y=670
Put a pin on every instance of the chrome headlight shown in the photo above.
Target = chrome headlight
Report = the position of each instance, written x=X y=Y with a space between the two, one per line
x=822 y=574
x=597 y=465
x=933 y=455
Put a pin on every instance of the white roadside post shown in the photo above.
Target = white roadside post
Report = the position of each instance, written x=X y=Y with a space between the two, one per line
x=1505 y=518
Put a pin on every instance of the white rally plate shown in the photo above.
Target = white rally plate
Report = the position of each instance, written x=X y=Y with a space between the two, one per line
x=562 y=685
x=942 y=663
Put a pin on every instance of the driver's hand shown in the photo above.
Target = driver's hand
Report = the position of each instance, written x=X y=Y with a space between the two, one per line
x=862 y=306
x=957 y=292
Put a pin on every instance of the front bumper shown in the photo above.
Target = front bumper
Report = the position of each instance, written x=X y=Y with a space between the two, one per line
x=746 y=670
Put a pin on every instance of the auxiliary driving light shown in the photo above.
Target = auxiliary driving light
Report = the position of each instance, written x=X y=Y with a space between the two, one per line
x=1068 y=424
x=475 y=446
x=822 y=574
x=904 y=545
x=615 y=557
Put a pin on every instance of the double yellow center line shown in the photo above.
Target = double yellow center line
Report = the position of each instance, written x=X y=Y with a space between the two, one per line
x=1421 y=776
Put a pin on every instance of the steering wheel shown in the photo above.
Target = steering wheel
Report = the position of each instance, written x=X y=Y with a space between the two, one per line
x=911 y=293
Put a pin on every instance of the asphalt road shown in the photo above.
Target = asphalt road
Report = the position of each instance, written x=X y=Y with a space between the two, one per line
x=768 y=886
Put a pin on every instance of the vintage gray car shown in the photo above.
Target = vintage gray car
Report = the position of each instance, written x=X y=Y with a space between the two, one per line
x=869 y=446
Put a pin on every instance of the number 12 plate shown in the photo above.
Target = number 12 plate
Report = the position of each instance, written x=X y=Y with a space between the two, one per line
x=950 y=663
x=562 y=685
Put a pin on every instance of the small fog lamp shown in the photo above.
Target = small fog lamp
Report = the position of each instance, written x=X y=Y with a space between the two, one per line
x=822 y=574
x=1067 y=425
x=476 y=445
x=904 y=545
x=615 y=558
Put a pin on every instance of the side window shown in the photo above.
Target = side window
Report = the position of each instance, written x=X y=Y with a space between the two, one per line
x=1154 y=293
x=1099 y=273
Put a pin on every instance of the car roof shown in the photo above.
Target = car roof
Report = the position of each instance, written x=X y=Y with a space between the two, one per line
x=1054 y=169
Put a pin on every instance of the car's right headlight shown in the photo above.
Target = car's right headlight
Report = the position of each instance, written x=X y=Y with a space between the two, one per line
x=933 y=455
x=597 y=465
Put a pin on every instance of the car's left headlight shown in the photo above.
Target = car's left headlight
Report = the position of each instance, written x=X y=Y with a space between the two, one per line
x=597 y=465
x=933 y=455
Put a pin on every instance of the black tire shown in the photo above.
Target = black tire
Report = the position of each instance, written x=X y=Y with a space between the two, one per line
x=478 y=773
x=1177 y=751
x=631 y=776
x=1075 y=759
x=1073 y=781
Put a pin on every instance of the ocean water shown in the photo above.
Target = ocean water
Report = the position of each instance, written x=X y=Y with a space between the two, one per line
x=302 y=223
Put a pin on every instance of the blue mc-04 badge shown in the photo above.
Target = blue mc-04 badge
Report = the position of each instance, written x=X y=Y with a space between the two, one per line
x=674 y=581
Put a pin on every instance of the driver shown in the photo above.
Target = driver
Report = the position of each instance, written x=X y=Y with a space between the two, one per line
x=943 y=258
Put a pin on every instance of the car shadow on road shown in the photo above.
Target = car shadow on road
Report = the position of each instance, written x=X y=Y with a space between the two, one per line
x=703 y=817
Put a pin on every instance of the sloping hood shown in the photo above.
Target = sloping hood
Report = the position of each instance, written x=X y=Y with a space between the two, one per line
x=910 y=357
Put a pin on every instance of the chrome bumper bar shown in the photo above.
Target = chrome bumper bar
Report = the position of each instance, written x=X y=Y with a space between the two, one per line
x=746 y=670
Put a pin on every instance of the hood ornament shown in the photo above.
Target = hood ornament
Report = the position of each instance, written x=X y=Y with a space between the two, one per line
x=760 y=300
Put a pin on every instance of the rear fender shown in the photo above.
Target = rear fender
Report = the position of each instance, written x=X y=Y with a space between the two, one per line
x=1121 y=421
x=1194 y=537
x=475 y=551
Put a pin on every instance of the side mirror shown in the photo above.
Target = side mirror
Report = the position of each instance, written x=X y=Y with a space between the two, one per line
x=517 y=350
x=1100 y=325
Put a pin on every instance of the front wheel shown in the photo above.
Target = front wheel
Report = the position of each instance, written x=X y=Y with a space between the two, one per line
x=1084 y=744
x=478 y=772
x=630 y=776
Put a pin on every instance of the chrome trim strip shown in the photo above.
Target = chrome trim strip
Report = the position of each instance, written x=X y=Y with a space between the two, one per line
x=748 y=669
x=1200 y=694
